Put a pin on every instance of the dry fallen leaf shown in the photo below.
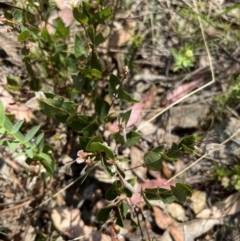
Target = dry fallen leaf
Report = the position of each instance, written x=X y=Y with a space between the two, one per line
x=229 y=206
x=176 y=230
x=177 y=211
x=20 y=111
x=181 y=91
x=136 y=156
x=162 y=220
x=167 y=172
x=198 y=201
x=198 y=227
x=68 y=221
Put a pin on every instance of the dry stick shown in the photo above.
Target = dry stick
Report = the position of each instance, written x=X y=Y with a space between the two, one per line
x=205 y=155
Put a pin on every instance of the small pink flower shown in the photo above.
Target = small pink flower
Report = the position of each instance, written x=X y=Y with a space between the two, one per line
x=81 y=156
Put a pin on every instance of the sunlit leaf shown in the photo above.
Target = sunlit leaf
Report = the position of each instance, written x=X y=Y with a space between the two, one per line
x=23 y=36
x=153 y=161
x=79 y=48
x=79 y=16
x=31 y=133
x=2 y=113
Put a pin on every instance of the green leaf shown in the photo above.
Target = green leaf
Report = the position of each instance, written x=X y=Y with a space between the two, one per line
x=45 y=35
x=96 y=73
x=188 y=150
x=99 y=147
x=23 y=36
x=113 y=191
x=13 y=145
x=159 y=194
x=126 y=116
x=94 y=139
x=171 y=154
x=79 y=48
x=29 y=152
x=95 y=62
x=99 y=39
x=60 y=29
x=107 y=168
x=145 y=199
x=103 y=15
x=102 y=108
x=40 y=142
x=8 y=124
x=79 y=16
x=132 y=138
x=84 y=142
x=177 y=55
x=121 y=172
x=103 y=213
x=47 y=162
x=91 y=33
x=158 y=149
x=13 y=83
x=133 y=223
x=67 y=107
x=119 y=216
x=31 y=133
x=2 y=131
x=187 y=141
x=17 y=126
x=123 y=95
x=114 y=82
x=181 y=191
x=153 y=161
x=51 y=107
x=2 y=114
x=124 y=209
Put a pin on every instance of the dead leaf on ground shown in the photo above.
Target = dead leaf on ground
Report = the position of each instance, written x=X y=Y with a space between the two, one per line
x=229 y=206
x=136 y=156
x=161 y=219
x=188 y=116
x=181 y=91
x=167 y=172
x=198 y=199
x=176 y=231
x=20 y=111
x=166 y=236
x=68 y=221
x=191 y=230
x=198 y=227
x=177 y=212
